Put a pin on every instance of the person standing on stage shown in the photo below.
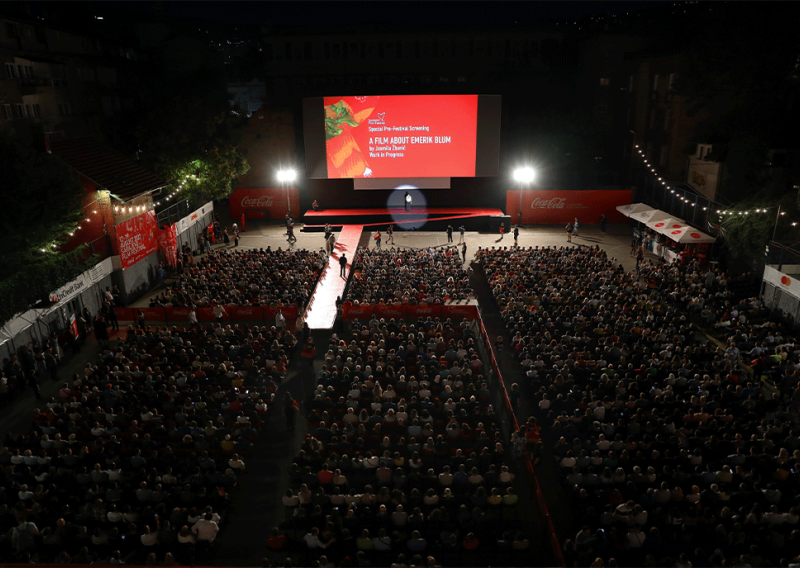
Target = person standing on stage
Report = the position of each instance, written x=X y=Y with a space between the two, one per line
x=407 y=199
x=342 y=265
x=516 y=234
x=464 y=251
x=602 y=223
x=502 y=230
x=461 y=231
x=390 y=233
x=576 y=227
x=377 y=238
x=449 y=233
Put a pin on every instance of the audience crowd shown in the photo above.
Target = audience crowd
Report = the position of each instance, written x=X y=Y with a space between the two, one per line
x=404 y=463
x=398 y=276
x=136 y=459
x=246 y=277
x=671 y=452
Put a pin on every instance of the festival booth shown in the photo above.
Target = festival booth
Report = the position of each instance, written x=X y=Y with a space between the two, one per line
x=648 y=215
x=632 y=208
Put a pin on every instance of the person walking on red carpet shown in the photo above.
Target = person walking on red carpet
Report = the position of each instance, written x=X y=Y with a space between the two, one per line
x=390 y=233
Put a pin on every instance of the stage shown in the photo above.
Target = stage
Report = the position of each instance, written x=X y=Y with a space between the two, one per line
x=419 y=218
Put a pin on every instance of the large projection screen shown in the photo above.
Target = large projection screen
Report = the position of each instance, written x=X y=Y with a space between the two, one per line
x=401 y=137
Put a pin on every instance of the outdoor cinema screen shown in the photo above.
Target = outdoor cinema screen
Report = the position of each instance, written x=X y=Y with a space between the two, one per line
x=401 y=136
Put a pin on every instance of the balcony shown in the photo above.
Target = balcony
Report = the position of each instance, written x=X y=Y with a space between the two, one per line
x=29 y=85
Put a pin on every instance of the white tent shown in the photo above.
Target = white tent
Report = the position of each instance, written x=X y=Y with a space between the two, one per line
x=650 y=215
x=665 y=226
x=629 y=210
x=689 y=235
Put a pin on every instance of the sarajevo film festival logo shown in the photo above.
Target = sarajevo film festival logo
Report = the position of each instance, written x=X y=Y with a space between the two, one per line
x=379 y=120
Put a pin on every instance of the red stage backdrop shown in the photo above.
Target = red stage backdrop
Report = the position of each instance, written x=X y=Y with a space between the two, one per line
x=268 y=202
x=401 y=136
x=168 y=244
x=136 y=238
x=549 y=207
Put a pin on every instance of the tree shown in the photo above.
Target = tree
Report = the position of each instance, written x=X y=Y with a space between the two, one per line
x=196 y=147
x=42 y=201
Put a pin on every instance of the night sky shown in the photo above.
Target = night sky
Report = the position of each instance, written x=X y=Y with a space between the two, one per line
x=325 y=14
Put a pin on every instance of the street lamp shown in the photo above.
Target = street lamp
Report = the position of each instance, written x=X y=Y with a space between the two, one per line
x=524 y=176
x=285 y=177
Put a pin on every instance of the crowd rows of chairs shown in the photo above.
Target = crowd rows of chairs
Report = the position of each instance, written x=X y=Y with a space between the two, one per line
x=404 y=455
x=247 y=277
x=406 y=276
x=671 y=451
x=137 y=459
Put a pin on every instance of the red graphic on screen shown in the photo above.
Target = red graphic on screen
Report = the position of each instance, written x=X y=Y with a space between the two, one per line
x=785 y=280
x=401 y=136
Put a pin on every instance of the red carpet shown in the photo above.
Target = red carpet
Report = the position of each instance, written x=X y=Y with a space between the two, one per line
x=321 y=313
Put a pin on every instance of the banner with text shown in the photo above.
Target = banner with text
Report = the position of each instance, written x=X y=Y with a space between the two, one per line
x=551 y=207
x=401 y=136
x=168 y=244
x=136 y=238
x=264 y=202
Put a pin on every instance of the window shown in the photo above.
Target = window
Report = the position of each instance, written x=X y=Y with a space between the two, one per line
x=28 y=111
x=605 y=81
x=462 y=79
x=64 y=109
x=7 y=111
x=11 y=71
x=19 y=112
x=655 y=82
x=630 y=84
x=667 y=119
x=443 y=80
x=37 y=111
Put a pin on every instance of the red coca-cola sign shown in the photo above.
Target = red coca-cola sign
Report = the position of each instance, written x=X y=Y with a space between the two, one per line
x=552 y=207
x=553 y=203
x=264 y=202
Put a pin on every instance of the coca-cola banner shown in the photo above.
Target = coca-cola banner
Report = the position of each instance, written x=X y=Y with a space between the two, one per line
x=424 y=311
x=136 y=238
x=248 y=313
x=168 y=244
x=391 y=311
x=459 y=311
x=177 y=315
x=266 y=202
x=360 y=312
x=550 y=207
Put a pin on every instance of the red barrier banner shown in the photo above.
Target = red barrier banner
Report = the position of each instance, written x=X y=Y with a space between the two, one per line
x=150 y=314
x=361 y=312
x=425 y=310
x=459 y=311
x=177 y=315
x=249 y=313
x=264 y=202
x=391 y=311
x=136 y=238
x=551 y=207
x=124 y=314
x=206 y=313
x=289 y=312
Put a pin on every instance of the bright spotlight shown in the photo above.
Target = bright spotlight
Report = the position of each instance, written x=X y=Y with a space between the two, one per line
x=287 y=175
x=524 y=175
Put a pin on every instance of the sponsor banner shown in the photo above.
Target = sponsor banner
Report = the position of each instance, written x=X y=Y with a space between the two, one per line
x=424 y=311
x=73 y=326
x=151 y=314
x=782 y=281
x=124 y=314
x=264 y=202
x=206 y=313
x=168 y=244
x=352 y=312
x=552 y=207
x=100 y=270
x=69 y=291
x=290 y=313
x=136 y=238
x=176 y=315
x=249 y=313
x=459 y=311
x=194 y=217
x=386 y=311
